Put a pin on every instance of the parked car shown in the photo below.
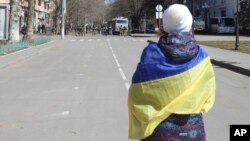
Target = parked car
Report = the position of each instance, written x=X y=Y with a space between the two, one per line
x=150 y=28
x=198 y=24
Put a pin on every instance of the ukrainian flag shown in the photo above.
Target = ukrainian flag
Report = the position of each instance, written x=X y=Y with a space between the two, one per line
x=161 y=87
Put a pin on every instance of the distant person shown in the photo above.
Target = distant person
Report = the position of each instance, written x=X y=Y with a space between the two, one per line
x=110 y=30
x=39 y=28
x=124 y=31
x=43 y=28
x=121 y=30
x=173 y=85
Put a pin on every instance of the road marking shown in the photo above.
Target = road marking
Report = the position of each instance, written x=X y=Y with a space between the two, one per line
x=127 y=85
x=114 y=56
x=76 y=88
x=63 y=114
x=117 y=63
x=122 y=74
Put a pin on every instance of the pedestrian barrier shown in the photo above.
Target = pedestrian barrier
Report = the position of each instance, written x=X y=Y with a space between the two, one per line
x=12 y=47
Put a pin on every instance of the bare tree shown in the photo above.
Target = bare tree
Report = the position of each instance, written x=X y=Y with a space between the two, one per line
x=81 y=11
x=30 y=23
x=56 y=14
x=15 y=10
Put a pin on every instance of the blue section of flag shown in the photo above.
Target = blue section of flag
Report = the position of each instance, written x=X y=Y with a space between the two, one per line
x=154 y=65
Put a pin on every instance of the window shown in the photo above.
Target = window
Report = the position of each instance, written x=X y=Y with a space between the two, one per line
x=39 y=2
x=121 y=21
x=223 y=13
x=44 y=5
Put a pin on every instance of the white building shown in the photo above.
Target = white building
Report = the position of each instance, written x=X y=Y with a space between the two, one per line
x=222 y=8
x=214 y=8
x=207 y=9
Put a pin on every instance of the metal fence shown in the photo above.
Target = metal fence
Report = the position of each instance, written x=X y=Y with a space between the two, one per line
x=12 y=47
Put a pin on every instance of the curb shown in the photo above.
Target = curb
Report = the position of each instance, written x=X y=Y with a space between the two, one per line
x=143 y=35
x=231 y=67
x=3 y=66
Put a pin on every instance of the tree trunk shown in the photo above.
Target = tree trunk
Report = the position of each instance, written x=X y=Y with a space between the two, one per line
x=135 y=19
x=29 y=31
x=14 y=20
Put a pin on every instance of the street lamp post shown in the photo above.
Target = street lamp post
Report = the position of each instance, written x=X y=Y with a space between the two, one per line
x=237 y=43
x=206 y=7
x=63 y=20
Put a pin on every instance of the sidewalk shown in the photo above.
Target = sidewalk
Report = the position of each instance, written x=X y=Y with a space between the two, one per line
x=229 y=59
x=232 y=60
x=142 y=35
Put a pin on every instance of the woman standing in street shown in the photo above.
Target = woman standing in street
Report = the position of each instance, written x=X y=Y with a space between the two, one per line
x=173 y=85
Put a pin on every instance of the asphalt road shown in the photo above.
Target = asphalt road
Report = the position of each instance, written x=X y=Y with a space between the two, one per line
x=76 y=90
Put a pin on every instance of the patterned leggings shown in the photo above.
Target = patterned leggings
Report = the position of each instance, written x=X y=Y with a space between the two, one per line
x=179 y=128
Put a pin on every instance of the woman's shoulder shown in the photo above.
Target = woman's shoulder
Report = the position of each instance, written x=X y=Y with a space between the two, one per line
x=152 y=45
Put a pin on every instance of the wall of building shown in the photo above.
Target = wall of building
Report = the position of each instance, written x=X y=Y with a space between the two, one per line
x=223 y=8
x=4 y=1
x=42 y=15
x=216 y=8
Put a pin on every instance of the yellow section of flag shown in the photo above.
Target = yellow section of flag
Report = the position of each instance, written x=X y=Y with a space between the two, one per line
x=192 y=91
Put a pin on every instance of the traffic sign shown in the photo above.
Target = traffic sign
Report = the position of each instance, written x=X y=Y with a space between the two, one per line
x=158 y=15
x=158 y=8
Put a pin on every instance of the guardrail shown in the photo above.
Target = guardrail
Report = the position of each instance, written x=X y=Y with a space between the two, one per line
x=12 y=47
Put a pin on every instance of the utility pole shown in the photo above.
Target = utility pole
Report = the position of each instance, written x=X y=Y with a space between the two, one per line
x=237 y=42
x=159 y=15
x=63 y=20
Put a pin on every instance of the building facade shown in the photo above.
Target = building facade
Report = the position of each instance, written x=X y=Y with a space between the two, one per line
x=214 y=8
x=222 y=8
x=42 y=16
x=207 y=9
